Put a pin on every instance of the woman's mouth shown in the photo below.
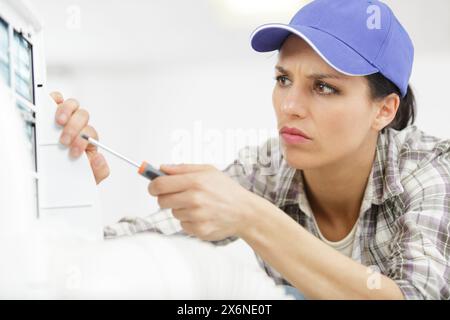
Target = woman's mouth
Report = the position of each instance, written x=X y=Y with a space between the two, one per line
x=294 y=135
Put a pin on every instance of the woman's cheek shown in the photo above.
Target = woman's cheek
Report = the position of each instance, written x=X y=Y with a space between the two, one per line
x=337 y=133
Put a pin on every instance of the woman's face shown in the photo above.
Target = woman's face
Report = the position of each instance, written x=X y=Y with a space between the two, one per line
x=333 y=109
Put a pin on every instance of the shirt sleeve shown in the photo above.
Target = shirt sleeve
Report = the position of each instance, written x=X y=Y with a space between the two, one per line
x=251 y=162
x=161 y=221
x=420 y=251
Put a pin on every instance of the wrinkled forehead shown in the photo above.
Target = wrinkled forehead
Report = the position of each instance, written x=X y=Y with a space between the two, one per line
x=296 y=53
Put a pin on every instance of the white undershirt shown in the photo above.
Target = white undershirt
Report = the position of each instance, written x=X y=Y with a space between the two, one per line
x=345 y=246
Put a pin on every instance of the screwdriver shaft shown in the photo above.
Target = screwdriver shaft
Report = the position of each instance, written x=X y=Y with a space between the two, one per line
x=100 y=145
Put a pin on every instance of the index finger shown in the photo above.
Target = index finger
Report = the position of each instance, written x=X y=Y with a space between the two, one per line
x=65 y=111
x=171 y=184
x=57 y=96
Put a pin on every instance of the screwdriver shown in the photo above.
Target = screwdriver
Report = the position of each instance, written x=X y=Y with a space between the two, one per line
x=145 y=169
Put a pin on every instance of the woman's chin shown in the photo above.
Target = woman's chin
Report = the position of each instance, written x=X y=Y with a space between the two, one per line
x=299 y=160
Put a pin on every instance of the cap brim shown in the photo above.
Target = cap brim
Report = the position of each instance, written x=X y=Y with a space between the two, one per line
x=336 y=53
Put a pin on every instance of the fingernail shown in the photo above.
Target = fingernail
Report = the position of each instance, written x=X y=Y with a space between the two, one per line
x=75 y=152
x=65 y=139
x=98 y=162
x=62 y=118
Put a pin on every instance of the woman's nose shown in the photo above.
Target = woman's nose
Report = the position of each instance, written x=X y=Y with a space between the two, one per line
x=294 y=104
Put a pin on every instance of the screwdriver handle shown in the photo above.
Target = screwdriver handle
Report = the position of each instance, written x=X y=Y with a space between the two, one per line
x=146 y=170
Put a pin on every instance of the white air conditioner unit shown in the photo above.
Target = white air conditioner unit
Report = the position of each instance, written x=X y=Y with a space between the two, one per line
x=65 y=190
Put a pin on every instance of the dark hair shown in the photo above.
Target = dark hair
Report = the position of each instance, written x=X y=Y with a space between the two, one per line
x=381 y=87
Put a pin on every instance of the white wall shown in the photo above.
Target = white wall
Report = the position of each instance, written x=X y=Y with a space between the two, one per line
x=430 y=83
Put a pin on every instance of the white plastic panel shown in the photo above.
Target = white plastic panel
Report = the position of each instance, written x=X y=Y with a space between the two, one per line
x=67 y=188
x=65 y=182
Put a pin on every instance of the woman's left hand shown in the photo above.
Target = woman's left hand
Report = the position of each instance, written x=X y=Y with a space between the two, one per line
x=208 y=203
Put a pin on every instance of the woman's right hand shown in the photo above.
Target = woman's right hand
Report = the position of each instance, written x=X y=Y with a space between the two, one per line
x=75 y=121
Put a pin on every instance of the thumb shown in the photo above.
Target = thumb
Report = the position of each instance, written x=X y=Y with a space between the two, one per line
x=99 y=167
x=184 y=168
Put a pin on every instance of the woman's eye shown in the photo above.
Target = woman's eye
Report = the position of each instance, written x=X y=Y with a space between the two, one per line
x=324 y=89
x=282 y=81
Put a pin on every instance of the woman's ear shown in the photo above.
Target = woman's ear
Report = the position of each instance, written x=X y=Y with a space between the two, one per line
x=386 y=110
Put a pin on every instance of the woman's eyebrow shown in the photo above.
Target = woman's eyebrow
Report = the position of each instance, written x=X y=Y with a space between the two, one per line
x=320 y=76
x=313 y=76
x=281 y=69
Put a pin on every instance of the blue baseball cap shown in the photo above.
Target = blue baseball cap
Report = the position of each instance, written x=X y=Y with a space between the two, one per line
x=355 y=37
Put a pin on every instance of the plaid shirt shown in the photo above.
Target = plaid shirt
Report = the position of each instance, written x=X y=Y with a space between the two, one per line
x=403 y=228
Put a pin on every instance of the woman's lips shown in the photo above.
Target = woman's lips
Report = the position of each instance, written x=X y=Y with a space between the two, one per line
x=294 y=138
x=293 y=135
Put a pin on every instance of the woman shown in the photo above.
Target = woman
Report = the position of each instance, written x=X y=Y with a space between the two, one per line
x=354 y=201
